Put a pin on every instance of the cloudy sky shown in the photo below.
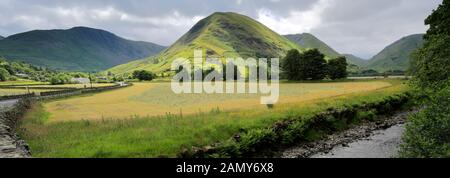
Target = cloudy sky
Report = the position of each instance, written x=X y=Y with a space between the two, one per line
x=360 y=27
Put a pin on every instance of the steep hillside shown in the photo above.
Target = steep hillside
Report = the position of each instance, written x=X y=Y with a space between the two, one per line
x=310 y=41
x=397 y=55
x=220 y=35
x=356 y=60
x=76 y=49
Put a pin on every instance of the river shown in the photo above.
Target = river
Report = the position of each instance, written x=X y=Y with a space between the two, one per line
x=381 y=144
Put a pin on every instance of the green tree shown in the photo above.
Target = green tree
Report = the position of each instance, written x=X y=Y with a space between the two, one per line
x=143 y=75
x=427 y=133
x=431 y=63
x=337 y=68
x=290 y=65
x=312 y=65
x=4 y=74
x=60 y=79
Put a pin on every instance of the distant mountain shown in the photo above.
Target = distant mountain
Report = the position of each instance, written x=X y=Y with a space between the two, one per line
x=394 y=57
x=356 y=60
x=1 y=37
x=310 y=41
x=397 y=55
x=75 y=49
x=218 y=35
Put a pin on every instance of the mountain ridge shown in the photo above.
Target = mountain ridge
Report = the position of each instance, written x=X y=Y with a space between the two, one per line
x=396 y=56
x=222 y=34
x=74 y=49
x=308 y=40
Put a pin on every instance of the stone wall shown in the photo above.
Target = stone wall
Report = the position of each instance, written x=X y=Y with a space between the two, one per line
x=11 y=146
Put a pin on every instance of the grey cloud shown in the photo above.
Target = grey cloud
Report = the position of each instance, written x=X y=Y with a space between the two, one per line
x=360 y=27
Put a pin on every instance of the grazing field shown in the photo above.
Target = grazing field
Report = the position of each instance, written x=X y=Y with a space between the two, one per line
x=21 y=82
x=20 y=91
x=76 y=85
x=37 y=87
x=153 y=99
x=50 y=133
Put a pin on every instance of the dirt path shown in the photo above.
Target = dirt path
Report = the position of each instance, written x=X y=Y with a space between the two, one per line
x=369 y=140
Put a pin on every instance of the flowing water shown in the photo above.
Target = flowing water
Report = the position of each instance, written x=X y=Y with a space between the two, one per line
x=382 y=144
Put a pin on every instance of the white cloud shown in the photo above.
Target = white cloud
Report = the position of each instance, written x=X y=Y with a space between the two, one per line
x=296 y=21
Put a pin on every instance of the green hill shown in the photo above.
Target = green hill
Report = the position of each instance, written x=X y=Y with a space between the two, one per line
x=356 y=60
x=310 y=41
x=76 y=49
x=222 y=35
x=397 y=55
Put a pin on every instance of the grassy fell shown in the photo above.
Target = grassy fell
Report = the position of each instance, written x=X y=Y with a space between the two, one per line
x=220 y=34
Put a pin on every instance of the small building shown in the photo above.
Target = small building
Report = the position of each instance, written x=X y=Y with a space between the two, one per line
x=102 y=78
x=21 y=75
x=121 y=84
x=81 y=80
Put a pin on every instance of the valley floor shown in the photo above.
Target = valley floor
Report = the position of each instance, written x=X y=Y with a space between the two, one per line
x=157 y=99
x=73 y=127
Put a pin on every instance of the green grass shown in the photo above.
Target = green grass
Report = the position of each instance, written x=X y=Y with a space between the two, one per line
x=167 y=135
x=22 y=82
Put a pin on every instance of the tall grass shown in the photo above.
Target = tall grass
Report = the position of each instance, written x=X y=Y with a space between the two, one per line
x=167 y=135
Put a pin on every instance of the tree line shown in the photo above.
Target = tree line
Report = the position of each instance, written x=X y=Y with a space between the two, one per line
x=296 y=66
x=311 y=65
x=427 y=133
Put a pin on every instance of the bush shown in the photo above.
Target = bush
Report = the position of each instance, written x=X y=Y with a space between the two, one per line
x=143 y=75
x=4 y=74
x=60 y=79
x=256 y=140
x=337 y=68
x=309 y=65
x=427 y=133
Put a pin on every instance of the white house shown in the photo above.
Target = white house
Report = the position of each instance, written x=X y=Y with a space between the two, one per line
x=81 y=80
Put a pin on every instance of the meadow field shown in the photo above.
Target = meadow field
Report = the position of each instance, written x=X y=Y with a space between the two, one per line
x=134 y=122
x=24 y=87
x=20 y=91
x=21 y=82
x=156 y=99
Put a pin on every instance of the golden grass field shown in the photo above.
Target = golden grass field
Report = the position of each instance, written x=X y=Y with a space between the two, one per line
x=153 y=99
x=75 y=85
x=32 y=87
x=20 y=91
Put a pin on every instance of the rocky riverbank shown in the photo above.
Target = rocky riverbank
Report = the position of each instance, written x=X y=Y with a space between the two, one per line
x=335 y=145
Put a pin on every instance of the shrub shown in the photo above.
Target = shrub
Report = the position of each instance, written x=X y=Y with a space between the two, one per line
x=60 y=79
x=337 y=68
x=256 y=139
x=143 y=75
x=427 y=133
x=4 y=74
